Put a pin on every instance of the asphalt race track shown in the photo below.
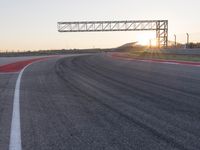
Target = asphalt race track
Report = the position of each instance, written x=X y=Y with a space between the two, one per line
x=95 y=102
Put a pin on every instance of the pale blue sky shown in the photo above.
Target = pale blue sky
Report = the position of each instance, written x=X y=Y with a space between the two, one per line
x=32 y=24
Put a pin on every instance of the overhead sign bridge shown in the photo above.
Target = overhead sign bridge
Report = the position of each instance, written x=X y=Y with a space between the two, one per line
x=160 y=26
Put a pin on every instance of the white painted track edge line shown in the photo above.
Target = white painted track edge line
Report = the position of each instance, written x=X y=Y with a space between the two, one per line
x=15 y=133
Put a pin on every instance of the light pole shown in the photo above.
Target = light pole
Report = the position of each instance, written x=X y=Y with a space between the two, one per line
x=188 y=39
x=149 y=43
x=175 y=39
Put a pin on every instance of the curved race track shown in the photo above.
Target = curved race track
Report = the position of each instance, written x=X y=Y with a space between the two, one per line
x=97 y=102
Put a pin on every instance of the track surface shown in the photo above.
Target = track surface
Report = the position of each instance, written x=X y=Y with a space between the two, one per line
x=97 y=102
x=9 y=60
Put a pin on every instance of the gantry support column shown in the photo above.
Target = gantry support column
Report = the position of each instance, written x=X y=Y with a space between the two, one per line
x=162 y=33
x=158 y=34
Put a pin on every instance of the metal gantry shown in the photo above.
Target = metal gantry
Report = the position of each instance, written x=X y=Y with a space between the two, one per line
x=160 y=26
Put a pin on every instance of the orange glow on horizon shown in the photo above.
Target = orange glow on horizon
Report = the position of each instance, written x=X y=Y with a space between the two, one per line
x=145 y=38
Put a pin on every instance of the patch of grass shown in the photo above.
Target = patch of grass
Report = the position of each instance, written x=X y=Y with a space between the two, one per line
x=164 y=56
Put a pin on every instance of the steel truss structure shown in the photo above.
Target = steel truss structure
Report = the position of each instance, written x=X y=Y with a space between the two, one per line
x=160 y=26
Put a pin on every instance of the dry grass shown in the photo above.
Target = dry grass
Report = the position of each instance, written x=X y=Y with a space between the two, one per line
x=165 y=56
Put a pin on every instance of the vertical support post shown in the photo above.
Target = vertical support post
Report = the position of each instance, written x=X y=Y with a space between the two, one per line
x=166 y=34
x=175 y=40
x=188 y=40
x=150 y=44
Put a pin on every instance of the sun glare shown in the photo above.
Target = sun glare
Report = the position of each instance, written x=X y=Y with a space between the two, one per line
x=146 y=38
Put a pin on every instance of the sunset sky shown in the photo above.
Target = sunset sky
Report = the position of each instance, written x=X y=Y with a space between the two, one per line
x=32 y=24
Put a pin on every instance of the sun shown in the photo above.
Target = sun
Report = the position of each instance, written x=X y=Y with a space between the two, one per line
x=146 y=38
